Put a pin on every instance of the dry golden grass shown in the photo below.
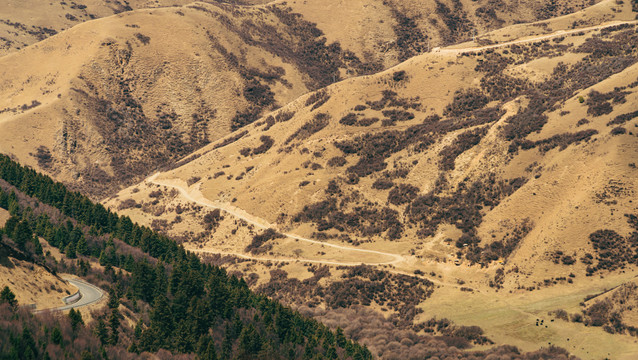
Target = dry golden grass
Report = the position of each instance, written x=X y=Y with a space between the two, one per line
x=562 y=197
x=32 y=284
x=561 y=203
x=4 y=216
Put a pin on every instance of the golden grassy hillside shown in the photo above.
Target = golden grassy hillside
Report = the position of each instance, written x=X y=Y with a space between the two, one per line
x=119 y=93
x=110 y=100
x=489 y=181
x=390 y=31
x=472 y=168
x=24 y=23
x=31 y=283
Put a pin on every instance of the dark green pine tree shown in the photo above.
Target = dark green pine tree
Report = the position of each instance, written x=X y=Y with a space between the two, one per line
x=250 y=342
x=162 y=321
x=69 y=251
x=56 y=336
x=14 y=208
x=27 y=347
x=82 y=247
x=76 y=319
x=114 y=325
x=341 y=338
x=161 y=280
x=331 y=353
x=37 y=247
x=114 y=299
x=10 y=225
x=101 y=331
x=206 y=348
x=22 y=234
x=7 y=296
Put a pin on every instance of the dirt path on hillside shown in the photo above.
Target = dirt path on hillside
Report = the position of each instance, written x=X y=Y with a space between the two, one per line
x=531 y=40
x=195 y=195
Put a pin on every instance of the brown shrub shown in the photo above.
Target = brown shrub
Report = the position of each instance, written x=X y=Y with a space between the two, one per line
x=317 y=99
x=621 y=119
x=337 y=161
x=402 y=194
x=258 y=244
x=463 y=142
x=382 y=184
x=320 y=121
x=618 y=131
x=266 y=143
x=465 y=102
x=43 y=155
x=192 y=180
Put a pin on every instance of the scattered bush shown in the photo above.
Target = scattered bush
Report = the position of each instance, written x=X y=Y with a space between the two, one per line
x=382 y=184
x=231 y=139
x=270 y=121
x=582 y=122
x=212 y=219
x=284 y=116
x=399 y=75
x=465 y=102
x=320 y=121
x=618 y=131
x=43 y=155
x=266 y=143
x=258 y=244
x=621 y=119
x=127 y=204
x=410 y=40
x=317 y=99
x=599 y=104
x=463 y=142
x=402 y=194
x=349 y=120
x=192 y=180
x=143 y=38
x=337 y=161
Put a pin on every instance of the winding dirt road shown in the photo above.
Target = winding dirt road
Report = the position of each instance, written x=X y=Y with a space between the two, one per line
x=195 y=195
x=533 y=39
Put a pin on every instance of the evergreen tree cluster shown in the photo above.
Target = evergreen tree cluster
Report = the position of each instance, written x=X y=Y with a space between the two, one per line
x=183 y=305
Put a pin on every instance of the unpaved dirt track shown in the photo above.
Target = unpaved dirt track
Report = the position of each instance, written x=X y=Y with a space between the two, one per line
x=533 y=39
x=198 y=198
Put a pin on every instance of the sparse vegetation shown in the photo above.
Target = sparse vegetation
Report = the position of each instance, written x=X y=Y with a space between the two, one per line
x=402 y=194
x=464 y=142
x=163 y=286
x=44 y=157
x=260 y=243
x=319 y=121
x=337 y=161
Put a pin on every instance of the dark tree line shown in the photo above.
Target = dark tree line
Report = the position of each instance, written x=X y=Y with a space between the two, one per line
x=183 y=305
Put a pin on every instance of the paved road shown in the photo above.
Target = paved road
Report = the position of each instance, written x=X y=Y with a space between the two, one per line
x=90 y=294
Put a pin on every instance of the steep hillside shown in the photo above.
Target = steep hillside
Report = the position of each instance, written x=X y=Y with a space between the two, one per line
x=470 y=167
x=389 y=31
x=31 y=283
x=478 y=192
x=384 y=30
x=162 y=301
x=106 y=102
x=27 y=22
x=120 y=96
